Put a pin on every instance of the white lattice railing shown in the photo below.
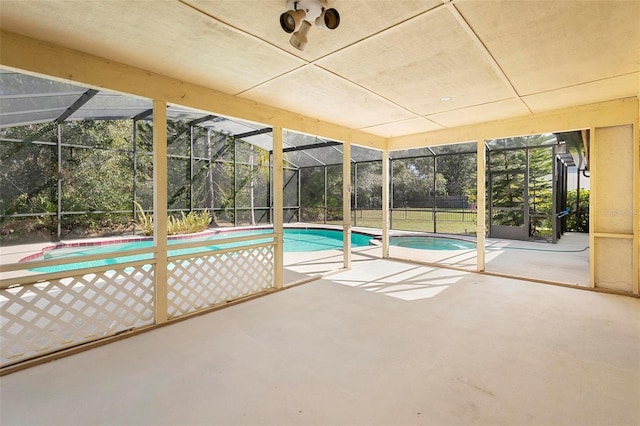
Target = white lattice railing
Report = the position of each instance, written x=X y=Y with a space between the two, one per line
x=198 y=282
x=41 y=314
x=47 y=316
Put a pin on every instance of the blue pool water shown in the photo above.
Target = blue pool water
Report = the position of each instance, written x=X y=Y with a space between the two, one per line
x=431 y=243
x=295 y=240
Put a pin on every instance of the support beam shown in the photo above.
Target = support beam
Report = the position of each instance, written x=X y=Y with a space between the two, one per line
x=83 y=99
x=324 y=197
x=355 y=194
x=201 y=120
x=278 y=207
x=435 y=193
x=59 y=184
x=636 y=203
x=134 y=184
x=311 y=146
x=253 y=133
x=143 y=115
x=235 y=182
x=270 y=190
x=191 y=167
x=593 y=184
x=160 y=210
x=385 y=204
x=481 y=205
x=346 y=204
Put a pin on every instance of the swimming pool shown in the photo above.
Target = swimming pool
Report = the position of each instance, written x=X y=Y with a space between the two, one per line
x=295 y=240
x=431 y=243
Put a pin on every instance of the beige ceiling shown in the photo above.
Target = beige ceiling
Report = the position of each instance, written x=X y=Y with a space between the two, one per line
x=386 y=67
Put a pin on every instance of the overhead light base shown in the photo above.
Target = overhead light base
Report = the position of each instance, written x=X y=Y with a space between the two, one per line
x=302 y=14
x=299 y=38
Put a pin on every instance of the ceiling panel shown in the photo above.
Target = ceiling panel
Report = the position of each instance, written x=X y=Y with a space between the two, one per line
x=420 y=61
x=314 y=92
x=480 y=113
x=597 y=91
x=547 y=45
x=358 y=20
x=404 y=127
x=170 y=38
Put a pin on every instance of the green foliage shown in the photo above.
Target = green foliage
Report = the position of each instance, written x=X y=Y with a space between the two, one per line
x=369 y=190
x=28 y=173
x=508 y=198
x=39 y=202
x=312 y=196
x=92 y=179
x=185 y=224
x=145 y=220
x=578 y=219
x=190 y=223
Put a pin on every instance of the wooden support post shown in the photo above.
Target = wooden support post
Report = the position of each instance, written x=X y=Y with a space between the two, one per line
x=278 y=208
x=160 y=209
x=481 y=205
x=592 y=209
x=346 y=203
x=385 y=204
x=636 y=204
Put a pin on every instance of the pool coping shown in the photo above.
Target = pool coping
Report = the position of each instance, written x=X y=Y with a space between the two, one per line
x=133 y=238
x=206 y=233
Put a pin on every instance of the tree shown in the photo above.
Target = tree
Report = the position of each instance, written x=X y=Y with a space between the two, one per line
x=312 y=193
x=508 y=167
x=252 y=164
x=29 y=189
x=95 y=179
x=578 y=219
x=413 y=182
x=540 y=181
x=369 y=188
x=507 y=187
x=96 y=172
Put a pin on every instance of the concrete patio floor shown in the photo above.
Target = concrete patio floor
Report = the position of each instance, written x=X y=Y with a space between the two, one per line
x=565 y=262
x=386 y=342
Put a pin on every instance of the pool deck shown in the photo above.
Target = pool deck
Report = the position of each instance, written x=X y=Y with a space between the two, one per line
x=565 y=262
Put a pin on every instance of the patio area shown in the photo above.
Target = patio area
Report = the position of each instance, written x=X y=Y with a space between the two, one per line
x=565 y=262
x=386 y=342
x=427 y=117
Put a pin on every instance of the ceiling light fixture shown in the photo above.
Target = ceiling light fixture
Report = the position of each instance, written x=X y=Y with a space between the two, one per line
x=301 y=14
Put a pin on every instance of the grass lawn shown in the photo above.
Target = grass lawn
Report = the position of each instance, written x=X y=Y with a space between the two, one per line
x=447 y=221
